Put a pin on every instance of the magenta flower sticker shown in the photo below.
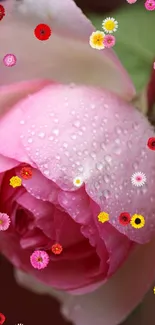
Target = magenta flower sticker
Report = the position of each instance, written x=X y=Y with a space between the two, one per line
x=109 y=41
x=9 y=60
x=4 y=221
x=150 y=5
x=39 y=259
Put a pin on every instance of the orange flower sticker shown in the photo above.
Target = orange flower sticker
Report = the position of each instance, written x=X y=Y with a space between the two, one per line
x=26 y=172
x=57 y=249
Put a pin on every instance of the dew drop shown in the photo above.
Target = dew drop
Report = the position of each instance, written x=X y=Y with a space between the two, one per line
x=77 y=124
x=46 y=172
x=30 y=140
x=118 y=130
x=51 y=138
x=108 y=158
x=106 y=178
x=73 y=136
x=99 y=166
x=22 y=122
x=41 y=135
x=56 y=131
x=106 y=194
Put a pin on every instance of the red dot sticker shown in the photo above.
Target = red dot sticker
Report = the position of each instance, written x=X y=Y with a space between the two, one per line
x=124 y=218
x=2 y=12
x=42 y=32
x=151 y=143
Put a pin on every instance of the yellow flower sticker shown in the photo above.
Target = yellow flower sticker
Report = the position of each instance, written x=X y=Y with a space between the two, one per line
x=137 y=221
x=96 y=40
x=103 y=217
x=15 y=181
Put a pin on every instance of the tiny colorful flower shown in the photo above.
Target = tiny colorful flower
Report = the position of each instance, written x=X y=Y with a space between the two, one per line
x=151 y=143
x=2 y=318
x=150 y=5
x=103 y=217
x=15 y=181
x=26 y=172
x=57 y=249
x=96 y=40
x=9 y=60
x=131 y=1
x=39 y=259
x=138 y=179
x=124 y=218
x=77 y=181
x=2 y=12
x=42 y=32
x=137 y=221
x=109 y=41
x=4 y=221
x=110 y=25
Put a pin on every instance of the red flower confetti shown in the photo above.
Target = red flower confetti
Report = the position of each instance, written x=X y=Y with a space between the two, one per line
x=42 y=32
x=2 y=318
x=26 y=172
x=57 y=249
x=151 y=143
x=124 y=218
x=2 y=12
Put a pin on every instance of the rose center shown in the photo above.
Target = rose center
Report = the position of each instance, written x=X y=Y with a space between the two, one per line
x=39 y=259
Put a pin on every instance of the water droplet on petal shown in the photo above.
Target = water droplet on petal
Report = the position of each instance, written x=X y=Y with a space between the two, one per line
x=118 y=130
x=99 y=166
x=76 y=123
x=41 y=135
x=106 y=194
x=106 y=178
x=30 y=140
x=108 y=158
x=56 y=131
x=22 y=122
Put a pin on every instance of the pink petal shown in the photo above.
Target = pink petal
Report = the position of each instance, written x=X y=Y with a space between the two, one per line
x=114 y=301
x=111 y=143
x=7 y=163
x=71 y=53
x=10 y=95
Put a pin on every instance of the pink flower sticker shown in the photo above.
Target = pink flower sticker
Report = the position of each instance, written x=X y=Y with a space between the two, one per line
x=109 y=41
x=4 y=221
x=39 y=259
x=9 y=60
x=150 y=5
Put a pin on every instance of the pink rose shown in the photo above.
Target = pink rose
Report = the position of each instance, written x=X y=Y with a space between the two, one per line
x=68 y=131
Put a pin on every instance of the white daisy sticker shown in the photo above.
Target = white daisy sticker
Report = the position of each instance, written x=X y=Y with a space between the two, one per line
x=138 y=179
x=110 y=25
x=78 y=181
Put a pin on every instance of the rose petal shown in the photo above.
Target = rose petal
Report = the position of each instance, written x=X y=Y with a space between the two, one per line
x=7 y=163
x=10 y=95
x=113 y=302
x=94 y=149
x=76 y=60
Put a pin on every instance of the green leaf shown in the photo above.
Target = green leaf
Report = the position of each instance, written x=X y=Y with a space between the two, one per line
x=135 y=40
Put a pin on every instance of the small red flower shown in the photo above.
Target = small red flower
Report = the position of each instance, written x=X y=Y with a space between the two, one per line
x=42 y=32
x=56 y=249
x=151 y=143
x=2 y=12
x=124 y=218
x=26 y=172
x=2 y=318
